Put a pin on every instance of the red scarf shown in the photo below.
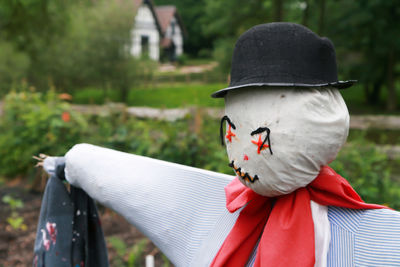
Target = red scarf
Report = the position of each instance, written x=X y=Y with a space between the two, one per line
x=287 y=230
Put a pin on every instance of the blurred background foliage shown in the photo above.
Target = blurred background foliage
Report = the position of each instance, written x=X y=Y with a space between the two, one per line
x=78 y=44
x=36 y=122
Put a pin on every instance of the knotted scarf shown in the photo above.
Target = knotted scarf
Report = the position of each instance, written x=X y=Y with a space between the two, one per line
x=284 y=223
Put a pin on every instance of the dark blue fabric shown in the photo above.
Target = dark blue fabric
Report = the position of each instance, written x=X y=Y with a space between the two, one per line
x=69 y=231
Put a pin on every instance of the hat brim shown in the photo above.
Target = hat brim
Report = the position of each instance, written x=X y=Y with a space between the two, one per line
x=338 y=84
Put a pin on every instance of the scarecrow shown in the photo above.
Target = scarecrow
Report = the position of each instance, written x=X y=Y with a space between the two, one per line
x=285 y=122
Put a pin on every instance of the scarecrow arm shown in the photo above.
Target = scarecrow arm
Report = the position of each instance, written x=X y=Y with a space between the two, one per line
x=176 y=206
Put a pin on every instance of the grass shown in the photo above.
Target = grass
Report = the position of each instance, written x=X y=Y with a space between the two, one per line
x=162 y=96
x=180 y=93
x=197 y=61
x=173 y=96
x=94 y=96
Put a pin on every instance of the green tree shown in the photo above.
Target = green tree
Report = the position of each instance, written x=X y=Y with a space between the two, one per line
x=95 y=48
x=226 y=20
x=31 y=26
x=68 y=44
x=191 y=12
x=368 y=30
x=363 y=31
x=25 y=21
x=13 y=66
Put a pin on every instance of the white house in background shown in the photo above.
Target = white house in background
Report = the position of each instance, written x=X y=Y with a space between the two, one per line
x=146 y=33
x=157 y=32
x=173 y=31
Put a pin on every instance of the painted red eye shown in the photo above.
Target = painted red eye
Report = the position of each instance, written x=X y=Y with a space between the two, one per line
x=259 y=143
x=229 y=134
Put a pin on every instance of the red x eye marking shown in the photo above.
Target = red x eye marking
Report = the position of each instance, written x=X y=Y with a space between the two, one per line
x=229 y=134
x=259 y=143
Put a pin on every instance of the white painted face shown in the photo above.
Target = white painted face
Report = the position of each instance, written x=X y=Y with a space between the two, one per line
x=307 y=129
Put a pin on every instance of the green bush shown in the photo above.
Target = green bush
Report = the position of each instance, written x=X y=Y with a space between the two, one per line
x=369 y=171
x=33 y=123
x=13 y=66
x=223 y=54
x=191 y=141
x=182 y=59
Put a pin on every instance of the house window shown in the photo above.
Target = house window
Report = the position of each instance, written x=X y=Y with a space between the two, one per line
x=144 y=41
x=173 y=28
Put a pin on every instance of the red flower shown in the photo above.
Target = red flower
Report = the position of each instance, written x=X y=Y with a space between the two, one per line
x=66 y=116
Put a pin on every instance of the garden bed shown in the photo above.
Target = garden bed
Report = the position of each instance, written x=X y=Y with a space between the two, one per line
x=16 y=245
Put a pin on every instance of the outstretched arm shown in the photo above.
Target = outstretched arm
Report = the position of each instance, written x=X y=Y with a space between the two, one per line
x=176 y=206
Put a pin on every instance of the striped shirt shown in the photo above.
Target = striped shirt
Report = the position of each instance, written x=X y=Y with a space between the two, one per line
x=362 y=238
x=182 y=209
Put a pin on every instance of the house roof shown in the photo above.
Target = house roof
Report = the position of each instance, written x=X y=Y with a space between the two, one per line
x=150 y=3
x=165 y=15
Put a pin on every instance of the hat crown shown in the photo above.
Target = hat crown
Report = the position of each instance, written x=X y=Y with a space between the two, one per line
x=283 y=53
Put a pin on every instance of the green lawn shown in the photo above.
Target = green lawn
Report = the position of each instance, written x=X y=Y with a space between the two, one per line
x=198 y=61
x=172 y=96
x=164 y=96
x=181 y=94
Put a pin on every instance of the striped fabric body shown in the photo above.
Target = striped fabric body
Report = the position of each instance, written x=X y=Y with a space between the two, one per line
x=182 y=209
x=362 y=238
x=175 y=206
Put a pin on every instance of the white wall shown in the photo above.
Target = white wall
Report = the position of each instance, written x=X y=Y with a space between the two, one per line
x=177 y=37
x=145 y=25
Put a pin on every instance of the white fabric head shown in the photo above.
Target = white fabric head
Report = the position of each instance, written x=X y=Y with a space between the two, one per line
x=307 y=129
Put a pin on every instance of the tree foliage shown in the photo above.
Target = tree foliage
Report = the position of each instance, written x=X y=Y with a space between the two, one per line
x=84 y=42
x=95 y=49
x=364 y=32
x=28 y=21
x=192 y=13
x=70 y=44
x=13 y=65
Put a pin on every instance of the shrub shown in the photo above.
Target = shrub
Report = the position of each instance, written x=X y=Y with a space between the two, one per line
x=223 y=54
x=41 y=123
x=182 y=59
x=33 y=123
x=191 y=141
x=369 y=172
x=13 y=66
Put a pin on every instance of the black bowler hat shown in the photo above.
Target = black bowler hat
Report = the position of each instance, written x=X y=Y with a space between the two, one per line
x=282 y=54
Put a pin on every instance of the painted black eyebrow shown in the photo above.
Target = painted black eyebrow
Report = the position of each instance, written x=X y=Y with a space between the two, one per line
x=267 y=138
x=260 y=130
x=221 y=127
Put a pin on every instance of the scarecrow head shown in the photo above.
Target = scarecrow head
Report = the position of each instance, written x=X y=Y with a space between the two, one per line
x=285 y=117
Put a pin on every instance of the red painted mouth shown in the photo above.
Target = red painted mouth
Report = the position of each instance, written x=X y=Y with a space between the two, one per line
x=244 y=176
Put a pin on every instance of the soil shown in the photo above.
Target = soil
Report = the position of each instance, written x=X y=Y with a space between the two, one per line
x=16 y=246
